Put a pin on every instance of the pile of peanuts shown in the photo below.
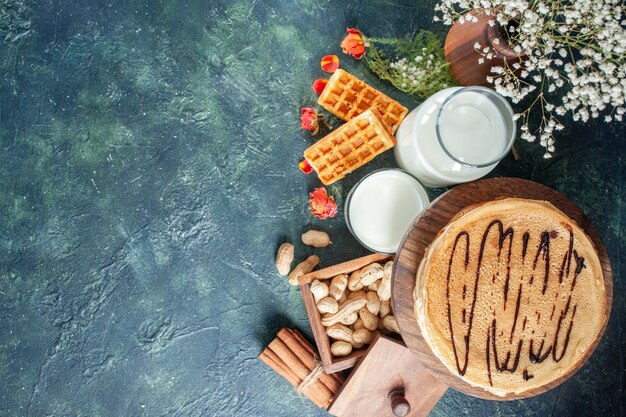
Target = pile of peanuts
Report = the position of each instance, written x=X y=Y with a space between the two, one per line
x=355 y=307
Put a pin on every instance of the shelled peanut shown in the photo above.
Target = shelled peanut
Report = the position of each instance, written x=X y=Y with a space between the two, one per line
x=355 y=307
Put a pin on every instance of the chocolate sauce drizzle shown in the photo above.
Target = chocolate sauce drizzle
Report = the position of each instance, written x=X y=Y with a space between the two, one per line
x=505 y=364
x=538 y=357
x=580 y=264
x=519 y=297
x=460 y=368
x=538 y=348
x=544 y=252
x=525 y=244
x=558 y=329
x=567 y=258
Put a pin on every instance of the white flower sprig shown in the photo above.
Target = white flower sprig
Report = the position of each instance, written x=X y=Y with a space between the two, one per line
x=419 y=67
x=573 y=58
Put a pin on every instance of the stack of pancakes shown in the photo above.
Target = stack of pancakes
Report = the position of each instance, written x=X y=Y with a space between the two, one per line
x=510 y=295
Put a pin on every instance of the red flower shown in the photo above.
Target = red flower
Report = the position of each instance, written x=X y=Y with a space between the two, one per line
x=322 y=206
x=353 y=43
x=319 y=85
x=305 y=167
x=308 y=120
x=330 y=63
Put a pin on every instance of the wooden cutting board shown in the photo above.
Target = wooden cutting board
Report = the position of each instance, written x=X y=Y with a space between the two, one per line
x=424 y=230
x=388 y=367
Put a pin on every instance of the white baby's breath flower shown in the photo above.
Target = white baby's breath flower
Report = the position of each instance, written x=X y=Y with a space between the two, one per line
x=579 y=45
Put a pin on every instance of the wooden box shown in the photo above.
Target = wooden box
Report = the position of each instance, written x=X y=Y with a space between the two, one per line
x=333 y=364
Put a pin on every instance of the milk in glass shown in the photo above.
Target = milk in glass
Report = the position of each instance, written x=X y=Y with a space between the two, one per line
x=382 y=207
x=457 y=135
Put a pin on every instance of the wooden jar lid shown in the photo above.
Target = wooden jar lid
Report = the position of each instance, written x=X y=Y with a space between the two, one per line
x=388 y=382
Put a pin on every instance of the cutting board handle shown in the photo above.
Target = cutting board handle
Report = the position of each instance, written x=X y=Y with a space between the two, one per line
x=399 y=404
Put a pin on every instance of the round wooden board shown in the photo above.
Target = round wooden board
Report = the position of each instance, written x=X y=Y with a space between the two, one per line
x=424 y=230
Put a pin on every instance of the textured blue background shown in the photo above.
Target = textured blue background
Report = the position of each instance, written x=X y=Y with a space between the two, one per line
x=148 y=174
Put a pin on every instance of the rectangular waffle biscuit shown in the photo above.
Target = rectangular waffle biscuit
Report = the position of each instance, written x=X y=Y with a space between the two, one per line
x=350 y=146
x=346 y=97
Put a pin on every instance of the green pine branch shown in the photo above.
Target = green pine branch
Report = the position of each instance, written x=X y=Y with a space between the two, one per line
x=419 y=68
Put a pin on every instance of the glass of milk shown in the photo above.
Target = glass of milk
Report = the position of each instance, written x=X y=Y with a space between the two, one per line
x=381 y=206
x=457 y=135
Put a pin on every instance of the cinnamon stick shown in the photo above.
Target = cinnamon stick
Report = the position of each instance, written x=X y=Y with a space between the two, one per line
x=302 y=341
x=280 y=369
x=306 y=358
x=292 y=361
x=336 y=376
x=274 y=362
x=292 y=357
x=340 y=380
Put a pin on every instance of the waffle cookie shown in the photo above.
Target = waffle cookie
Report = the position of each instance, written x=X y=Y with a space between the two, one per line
x=350 y=146
x=346 y=97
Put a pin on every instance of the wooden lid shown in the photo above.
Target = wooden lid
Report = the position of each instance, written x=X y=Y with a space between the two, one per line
x=388 y=382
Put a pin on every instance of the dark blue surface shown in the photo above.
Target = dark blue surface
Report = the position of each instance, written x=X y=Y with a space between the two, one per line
x=147 y=176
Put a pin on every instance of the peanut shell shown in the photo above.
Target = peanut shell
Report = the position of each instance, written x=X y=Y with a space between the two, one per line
x=316 y=238
x=339 y=332
x=327 y=305
x=319 y=290
x=371 y=273
x=341 y=348
x=373 y=302
x=284 y=258
x=338 y=286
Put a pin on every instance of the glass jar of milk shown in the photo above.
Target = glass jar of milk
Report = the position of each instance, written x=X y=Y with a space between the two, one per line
x=457 y=135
